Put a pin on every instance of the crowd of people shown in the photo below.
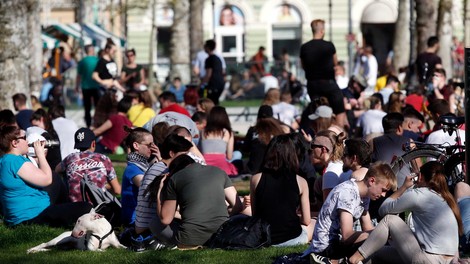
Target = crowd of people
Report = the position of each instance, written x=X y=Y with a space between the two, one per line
x=320 y=176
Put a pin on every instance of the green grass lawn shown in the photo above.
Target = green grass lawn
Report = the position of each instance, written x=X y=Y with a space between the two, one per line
x=15 y=241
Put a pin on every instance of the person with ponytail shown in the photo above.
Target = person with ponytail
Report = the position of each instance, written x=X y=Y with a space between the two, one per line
x=140 y=145
x=435 y=215
x=328 y=147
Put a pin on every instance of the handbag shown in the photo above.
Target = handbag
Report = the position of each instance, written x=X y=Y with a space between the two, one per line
x=241 y=232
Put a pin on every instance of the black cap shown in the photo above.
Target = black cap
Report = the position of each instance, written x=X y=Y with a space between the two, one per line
x=83 y=138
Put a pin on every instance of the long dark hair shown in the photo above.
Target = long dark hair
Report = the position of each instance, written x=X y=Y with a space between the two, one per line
x=280 y=155
x=217 y=121
x=434 y=175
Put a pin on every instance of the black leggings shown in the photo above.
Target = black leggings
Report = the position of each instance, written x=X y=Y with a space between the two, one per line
x=61 y=215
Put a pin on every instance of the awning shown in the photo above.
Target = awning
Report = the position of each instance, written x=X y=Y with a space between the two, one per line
x=48 y=42
x=70 y=31
x=99 y=33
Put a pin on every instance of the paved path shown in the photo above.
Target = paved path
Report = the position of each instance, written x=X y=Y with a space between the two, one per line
x=240 y=117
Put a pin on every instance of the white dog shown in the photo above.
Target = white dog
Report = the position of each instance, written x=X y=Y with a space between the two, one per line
x=91 y=232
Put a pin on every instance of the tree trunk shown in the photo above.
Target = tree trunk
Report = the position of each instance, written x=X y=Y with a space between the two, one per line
x=14 y=51
x=35 y=43
x=444 y=32
x=196 y=30
x=425 y=22
x=401 y=44
x=179 y=44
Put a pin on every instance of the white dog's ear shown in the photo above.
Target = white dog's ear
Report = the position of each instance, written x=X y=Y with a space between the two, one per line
x=97 y=216
x=92 y=211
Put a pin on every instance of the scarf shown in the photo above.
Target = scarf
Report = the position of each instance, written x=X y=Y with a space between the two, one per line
x=138 y=160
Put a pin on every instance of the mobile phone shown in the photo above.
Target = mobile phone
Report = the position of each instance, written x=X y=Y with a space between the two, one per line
x=414 y=177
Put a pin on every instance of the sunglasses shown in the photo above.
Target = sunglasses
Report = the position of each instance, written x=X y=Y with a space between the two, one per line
x=314 y=146
x=23 y=137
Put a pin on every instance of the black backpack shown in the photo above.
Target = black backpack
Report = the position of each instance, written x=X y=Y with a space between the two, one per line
x=241 y=232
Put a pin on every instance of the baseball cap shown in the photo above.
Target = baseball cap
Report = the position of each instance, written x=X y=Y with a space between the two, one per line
x=83 y=138
x=321 y=111
x=265 y=111
x=360 y=80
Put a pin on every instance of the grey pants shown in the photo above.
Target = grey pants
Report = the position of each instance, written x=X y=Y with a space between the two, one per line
x=404 y=245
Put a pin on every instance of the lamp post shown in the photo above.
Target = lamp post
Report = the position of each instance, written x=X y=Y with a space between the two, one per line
x=330 y=18
x=350 y=40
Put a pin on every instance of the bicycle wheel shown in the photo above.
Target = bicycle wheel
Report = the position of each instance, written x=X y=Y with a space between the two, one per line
x=455 y=168
x=411 y=162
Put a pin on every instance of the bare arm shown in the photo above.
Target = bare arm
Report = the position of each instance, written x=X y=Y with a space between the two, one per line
x=105 y=83
x=137 y=180
x=103 y=128
x=115 y=186
x=349 y=236
x=304 y=201
x=230 y=143
x=366 y=223
x=41 y=176
x=233 y=200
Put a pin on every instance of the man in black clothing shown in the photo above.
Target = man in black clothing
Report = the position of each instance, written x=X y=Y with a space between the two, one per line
x=428 y=61
x=319 y=59
x=214 y=80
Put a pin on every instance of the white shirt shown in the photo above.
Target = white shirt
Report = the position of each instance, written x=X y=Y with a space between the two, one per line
x=371 y=122
x=269 y=82
x=65 y=129
x=285 y=112
x=373 y=71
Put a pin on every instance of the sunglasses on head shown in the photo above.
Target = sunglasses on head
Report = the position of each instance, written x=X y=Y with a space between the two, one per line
x=314 y=146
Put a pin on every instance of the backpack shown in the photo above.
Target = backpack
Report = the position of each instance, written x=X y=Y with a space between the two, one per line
x=104 y=202
x=241 y=232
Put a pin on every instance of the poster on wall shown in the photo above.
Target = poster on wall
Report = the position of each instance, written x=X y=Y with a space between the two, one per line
x=286 y=13
x=229 y=15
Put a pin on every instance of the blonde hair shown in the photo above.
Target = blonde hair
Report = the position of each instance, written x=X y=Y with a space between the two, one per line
x=382 y=172
x=273 y=96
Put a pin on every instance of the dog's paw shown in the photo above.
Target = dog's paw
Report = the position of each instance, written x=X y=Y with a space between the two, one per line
x=36 y=249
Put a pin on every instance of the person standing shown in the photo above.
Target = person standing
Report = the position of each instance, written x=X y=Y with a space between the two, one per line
x=318 y=58
x=428 y=60
x=106 y=71
x=23 y=117
x=132 y=75
x=214 y=79
x=89 y=87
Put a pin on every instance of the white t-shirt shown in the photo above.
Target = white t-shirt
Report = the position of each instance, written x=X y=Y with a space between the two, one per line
x=269 y=82
x=344 y=196
x=285 y=112
x=331 y=175
x=371 y=122
x=65 y=129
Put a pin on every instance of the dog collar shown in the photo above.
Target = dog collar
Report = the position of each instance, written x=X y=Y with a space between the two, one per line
x=100 y=239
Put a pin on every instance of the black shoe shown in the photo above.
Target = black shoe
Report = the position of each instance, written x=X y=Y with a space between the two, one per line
x=140 y=243
x=317 y=259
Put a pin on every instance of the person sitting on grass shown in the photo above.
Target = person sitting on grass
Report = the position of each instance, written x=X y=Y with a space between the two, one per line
x=97 y=167
x=202 y=194
x=142 y=237
x=436 y=219
x=22 y=199
x=334 y=236
x=141 y=147
x=279 y=176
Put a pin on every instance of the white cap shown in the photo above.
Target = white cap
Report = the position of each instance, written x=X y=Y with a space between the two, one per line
x=322 y=111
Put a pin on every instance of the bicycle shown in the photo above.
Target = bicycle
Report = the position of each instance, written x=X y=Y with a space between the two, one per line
x=452 y=156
